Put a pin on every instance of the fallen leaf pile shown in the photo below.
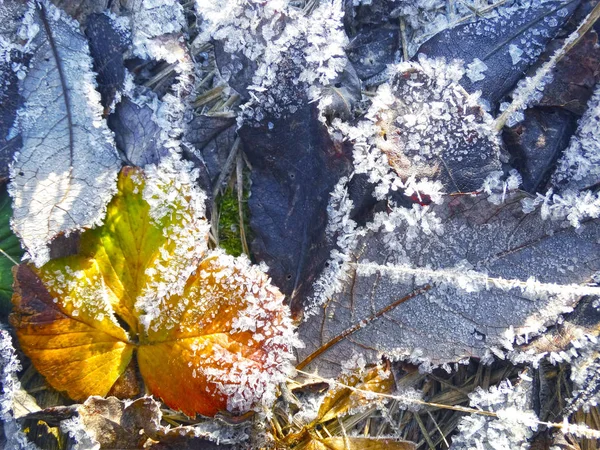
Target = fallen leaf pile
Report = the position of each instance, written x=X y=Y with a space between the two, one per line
x=210 y=332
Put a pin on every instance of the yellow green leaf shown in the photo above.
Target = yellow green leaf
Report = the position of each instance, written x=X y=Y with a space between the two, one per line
x=73 y=342
x=210 y=332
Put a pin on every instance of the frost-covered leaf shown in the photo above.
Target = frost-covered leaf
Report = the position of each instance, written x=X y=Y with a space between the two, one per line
x=108 y=41
x=78 y=345
x=579 y=166
x=496 y=51
x=574 y=77
x=536 y=144
x=65 y=172
x=293 y=174
x=10 y=251
x=442 y=283
x=137 y=133
x=429 y=127
x=210 y=332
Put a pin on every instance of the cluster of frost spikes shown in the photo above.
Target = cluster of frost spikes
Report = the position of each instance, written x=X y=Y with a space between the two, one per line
x=283 y=42
x=497 y=186
x=342 y=231
x=9 y=366
x=173 y=195
x=513 y=425
x=579 y=165
x=570 y=205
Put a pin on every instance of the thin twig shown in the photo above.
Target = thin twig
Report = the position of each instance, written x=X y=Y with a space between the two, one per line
x=240 y=197
x=8 y=256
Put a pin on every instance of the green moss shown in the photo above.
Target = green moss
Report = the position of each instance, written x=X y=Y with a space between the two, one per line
x=229 y=221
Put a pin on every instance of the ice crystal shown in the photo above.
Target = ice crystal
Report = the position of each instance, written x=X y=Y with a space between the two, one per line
x=292 y=51
x=510 y=430
x=9 y=383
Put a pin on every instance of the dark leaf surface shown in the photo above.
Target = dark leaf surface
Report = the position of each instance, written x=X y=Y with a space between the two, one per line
x=575 y=76
x=371 y=50
x=536 y=143
x=454 y=318
x=295 y=166
x=107 y=45
x=506 y=45
x=136 y=133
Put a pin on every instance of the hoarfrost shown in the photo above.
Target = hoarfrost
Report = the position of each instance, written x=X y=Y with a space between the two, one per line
x=292 y=51
x=9 y=383
x=65 y=173
x=491 y=274
x=153 y=23
x=510 y=430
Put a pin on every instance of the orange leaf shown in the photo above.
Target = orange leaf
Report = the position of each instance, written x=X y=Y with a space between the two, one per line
x=210 y=331
x=77 y=353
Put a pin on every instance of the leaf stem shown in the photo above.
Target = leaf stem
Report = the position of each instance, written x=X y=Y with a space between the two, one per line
x=360 y=325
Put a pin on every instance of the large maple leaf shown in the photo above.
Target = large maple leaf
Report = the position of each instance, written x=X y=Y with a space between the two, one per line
x=210 y=331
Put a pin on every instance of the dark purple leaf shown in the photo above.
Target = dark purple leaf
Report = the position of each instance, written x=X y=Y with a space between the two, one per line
x=506 y=45
x=107 y=45
x=294 y=168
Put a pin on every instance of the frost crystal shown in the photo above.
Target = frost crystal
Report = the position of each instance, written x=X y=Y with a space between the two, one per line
x=9 y=366
x=510 y=430
x=475 y=70
x=170 y=190
x=292 y=51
